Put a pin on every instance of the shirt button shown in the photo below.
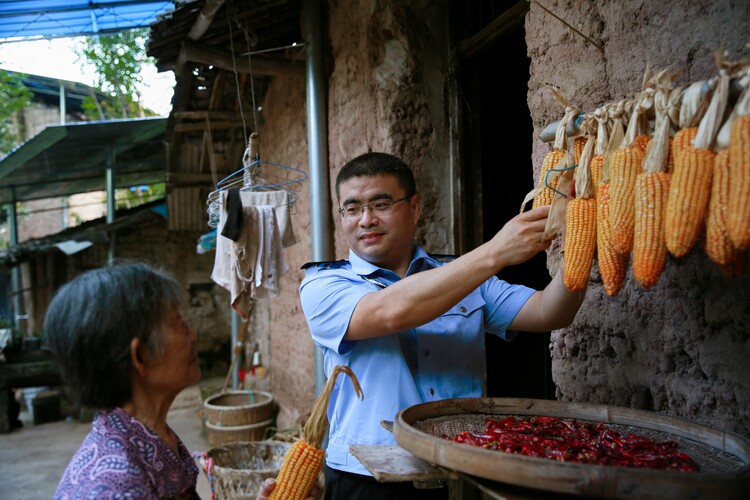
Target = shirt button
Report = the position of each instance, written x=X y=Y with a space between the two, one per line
x=463 y=309
x=432 y=392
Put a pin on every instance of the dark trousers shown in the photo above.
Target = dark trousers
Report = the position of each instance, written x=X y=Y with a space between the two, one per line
x=347 y=486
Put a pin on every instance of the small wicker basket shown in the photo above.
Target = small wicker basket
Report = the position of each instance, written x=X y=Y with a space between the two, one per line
x=223 y=434
x=237 y=470
x=236 y=407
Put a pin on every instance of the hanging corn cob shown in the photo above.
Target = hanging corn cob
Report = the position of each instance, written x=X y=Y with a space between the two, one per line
x=580 y=224
x=544 y=195
x=673 y=112
x=692 y=109
x=682 y=140
x=612 y=265
x=719 y=246
x=304 y=460
x=645 y=99
x=597 y=162
x=578 y=144
x=602 y=137
x=549 y=173
x=563 y=190
x=625 y=167
x=738 y=214
x=642 y=141
x=690 y=187
x=651 y=190
x=626 y=164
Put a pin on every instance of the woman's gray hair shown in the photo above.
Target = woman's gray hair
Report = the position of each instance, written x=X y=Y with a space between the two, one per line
x=92 y=320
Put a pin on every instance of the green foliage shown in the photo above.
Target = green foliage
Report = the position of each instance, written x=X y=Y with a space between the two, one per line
x=13 y=97
x=118 y=59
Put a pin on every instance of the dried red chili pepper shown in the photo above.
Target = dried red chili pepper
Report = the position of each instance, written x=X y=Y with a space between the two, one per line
x=573 y=441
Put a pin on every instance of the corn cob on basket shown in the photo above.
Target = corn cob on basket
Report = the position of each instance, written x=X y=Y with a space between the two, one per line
x=304 y=460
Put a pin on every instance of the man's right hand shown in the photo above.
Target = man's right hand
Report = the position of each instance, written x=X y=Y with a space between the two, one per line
x=521 y=237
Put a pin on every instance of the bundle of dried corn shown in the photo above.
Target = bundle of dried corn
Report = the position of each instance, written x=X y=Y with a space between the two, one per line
x=651 y=189
x=304 y=460
x=690 y=188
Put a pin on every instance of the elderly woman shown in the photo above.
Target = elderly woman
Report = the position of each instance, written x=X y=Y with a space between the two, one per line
x=125 y=350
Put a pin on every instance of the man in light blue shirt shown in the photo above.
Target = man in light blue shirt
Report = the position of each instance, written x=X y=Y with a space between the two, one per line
x=411 y=326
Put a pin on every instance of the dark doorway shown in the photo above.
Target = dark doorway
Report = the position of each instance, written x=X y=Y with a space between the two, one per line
x=496 y=146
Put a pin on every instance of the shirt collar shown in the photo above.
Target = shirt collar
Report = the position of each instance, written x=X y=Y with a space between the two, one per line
x=365 y=268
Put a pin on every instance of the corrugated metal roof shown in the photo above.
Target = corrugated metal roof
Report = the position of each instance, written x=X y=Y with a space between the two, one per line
x=96 y=231
x=47 y=90
x=72 y=158
x=60 y=18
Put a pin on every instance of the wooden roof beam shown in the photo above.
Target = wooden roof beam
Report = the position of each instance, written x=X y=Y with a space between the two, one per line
x=191 y=52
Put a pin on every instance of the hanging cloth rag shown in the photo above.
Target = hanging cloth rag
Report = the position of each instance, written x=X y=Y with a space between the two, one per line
x=251 y=266
x=270 y=263
x=280 y=201
x=233 y=224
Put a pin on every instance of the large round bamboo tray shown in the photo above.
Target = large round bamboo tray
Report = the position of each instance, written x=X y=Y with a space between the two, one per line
x=723 y=457
x=236 y=407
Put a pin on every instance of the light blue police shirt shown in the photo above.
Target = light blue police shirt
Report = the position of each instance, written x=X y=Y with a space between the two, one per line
x=441 y=359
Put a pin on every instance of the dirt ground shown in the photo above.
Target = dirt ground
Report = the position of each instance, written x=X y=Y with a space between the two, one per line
x=33 y=458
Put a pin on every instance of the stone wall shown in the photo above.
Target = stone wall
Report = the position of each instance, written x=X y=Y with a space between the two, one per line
x=683 y=347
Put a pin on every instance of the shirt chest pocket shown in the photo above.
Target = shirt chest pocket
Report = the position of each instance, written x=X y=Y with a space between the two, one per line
x=465 y=317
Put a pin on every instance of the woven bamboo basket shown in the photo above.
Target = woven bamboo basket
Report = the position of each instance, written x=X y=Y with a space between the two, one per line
x=236 y=407
x=237 y=470
x=225 y=434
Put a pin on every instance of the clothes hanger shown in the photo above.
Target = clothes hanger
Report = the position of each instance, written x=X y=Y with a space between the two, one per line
x=250 y=174
x=249 y=178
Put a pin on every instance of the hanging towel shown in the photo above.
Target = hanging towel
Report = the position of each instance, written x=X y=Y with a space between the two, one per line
x=280 y=201
x=251 y=266
x=222 y=271
x=270 y=261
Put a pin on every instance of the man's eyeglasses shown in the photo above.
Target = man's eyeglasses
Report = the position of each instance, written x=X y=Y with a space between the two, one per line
x=354 y=210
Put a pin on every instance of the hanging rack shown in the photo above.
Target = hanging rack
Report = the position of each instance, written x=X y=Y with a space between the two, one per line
x=255 y=175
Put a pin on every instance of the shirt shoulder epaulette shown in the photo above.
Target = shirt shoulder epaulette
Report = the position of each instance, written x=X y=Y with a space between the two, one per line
x=326 y=264
x=442 y=257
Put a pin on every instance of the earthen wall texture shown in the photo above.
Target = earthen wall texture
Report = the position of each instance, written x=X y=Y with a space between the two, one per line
x=278 y=325
x=682 y=347
x=386 y=75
